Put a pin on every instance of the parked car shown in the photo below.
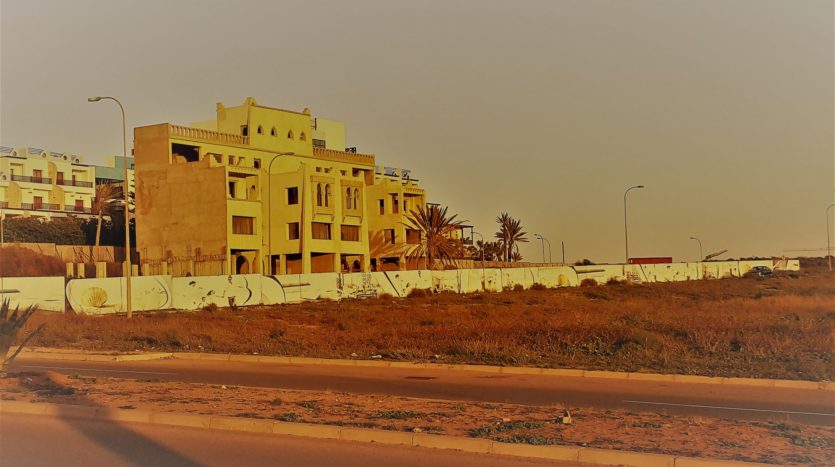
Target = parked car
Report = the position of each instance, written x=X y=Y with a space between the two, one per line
x=759 y=271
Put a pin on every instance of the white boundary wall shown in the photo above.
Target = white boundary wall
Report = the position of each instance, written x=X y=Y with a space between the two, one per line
x=100 y=296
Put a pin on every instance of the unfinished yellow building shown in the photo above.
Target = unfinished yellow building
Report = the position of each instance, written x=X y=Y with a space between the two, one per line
x=266 y=190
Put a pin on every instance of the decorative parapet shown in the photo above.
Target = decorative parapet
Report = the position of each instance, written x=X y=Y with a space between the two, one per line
x=206 y=135
x=342 y=156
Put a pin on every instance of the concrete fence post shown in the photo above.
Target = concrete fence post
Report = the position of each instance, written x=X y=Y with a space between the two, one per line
x=101 y=270
x=70 y=270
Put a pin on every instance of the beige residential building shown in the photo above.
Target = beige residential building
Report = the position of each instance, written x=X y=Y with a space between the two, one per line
x=265 y=190
x=36 y=182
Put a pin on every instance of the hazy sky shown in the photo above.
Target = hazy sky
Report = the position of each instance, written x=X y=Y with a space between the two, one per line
x=545 y=109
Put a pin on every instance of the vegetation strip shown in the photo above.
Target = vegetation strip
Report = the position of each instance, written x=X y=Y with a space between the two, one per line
x=579 y=454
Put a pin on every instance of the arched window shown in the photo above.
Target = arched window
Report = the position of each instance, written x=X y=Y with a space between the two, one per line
x=319 y=194
x=327 y=195
x=260 y=130
x=348 y=198
x=273 y=132
x=290 y=134
x=356 y=197
x=303 y=137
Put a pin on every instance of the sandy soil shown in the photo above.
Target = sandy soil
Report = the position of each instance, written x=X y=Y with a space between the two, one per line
x=773 y=442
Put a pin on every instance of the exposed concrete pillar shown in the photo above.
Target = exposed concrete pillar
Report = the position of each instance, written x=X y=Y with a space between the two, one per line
x=191 y=266
x=146 y=269
x=164 y=268
x=282 y=264
x=365 y=263
x=134 y=269
x=79 y=270
x=337 y=262
x=306 y=263
x=101 y=270
x=70 y=270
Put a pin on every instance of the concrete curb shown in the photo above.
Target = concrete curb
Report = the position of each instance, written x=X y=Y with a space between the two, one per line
x=510 y=370
x=59 y=354
x=265 y=426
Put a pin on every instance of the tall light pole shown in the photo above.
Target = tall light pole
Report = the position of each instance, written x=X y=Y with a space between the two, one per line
x=270 y=207
x=701 y=255
x=544 y=241
x=127 y=199
x=828 y=250
x=625 y=224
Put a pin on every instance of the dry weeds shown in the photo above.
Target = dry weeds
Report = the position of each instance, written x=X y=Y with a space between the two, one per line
x=780 y=327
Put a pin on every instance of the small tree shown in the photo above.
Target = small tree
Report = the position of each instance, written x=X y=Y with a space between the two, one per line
x=436 y=229
x=103 y=204
x=510 y=233
x=11 y=322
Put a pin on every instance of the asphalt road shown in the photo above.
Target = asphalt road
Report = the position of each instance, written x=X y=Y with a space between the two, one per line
x=35 y=440
x=736 y=402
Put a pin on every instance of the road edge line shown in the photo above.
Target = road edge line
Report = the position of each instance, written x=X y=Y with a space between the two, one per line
x=54 y=354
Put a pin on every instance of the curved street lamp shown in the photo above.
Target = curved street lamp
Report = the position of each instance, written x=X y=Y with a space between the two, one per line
x=701 y=255
x=127 y=199
x=625 y=225
x=544 y=240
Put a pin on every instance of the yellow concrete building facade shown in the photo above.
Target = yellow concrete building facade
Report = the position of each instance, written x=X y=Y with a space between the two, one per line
x=263 y=190
x=36 y=182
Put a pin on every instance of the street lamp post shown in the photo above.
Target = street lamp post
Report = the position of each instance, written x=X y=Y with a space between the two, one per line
x=701 y=255
x=625 y=224
x=126 y=200
x=544 y=241
x=270 y=208
x=828 y=250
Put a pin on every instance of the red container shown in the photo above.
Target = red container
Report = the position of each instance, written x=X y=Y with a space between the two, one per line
x=654 y=260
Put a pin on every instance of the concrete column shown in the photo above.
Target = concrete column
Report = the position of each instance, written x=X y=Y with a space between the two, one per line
x=306 y=263
x=80 y=270
x=282 y=264
x=337 y=262
x=70 y=270
x=101 y=270
x=365 y=263
x=146 y=269
x=134 y=269
x=164 y=268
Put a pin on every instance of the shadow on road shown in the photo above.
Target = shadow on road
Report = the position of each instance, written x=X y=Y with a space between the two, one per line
x=135 y=448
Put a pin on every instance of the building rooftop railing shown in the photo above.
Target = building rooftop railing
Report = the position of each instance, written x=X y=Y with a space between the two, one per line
x=206 y=135
x=343 y=156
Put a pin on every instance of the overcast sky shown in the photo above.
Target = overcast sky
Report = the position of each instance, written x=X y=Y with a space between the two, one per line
x=548 y=110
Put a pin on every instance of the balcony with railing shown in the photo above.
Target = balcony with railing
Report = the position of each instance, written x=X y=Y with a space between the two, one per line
x=77 y=183
x=40 y=207
x=30 y=179
x=79 y=209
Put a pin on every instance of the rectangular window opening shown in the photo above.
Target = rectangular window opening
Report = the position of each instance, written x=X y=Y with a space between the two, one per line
x=320 y=230
x=185 y=152
x=293 y=231
x=243 y=225
x=293 y=195
x=350 y=233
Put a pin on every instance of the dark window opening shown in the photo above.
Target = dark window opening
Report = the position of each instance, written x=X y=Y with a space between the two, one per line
x=319 y=143
x=293 y=231
x=413 y=236
x=350 y=233
x=245 y=130
x=185 y=152
x=382 y=206
x=260 y=130
x=319 y=194
x=389 y=236
x=256 y=163
x=232 y=189
x=273 y=132
x=395 y=204
x=320 y=230
x=293 y=195
x=243 y=225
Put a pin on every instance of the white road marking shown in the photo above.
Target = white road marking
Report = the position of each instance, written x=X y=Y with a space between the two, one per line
x=746 y=409
x=97 y=369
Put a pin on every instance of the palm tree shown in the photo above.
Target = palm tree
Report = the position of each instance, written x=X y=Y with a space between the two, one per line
x=510 y=233
x=103 y=204
x=436 y=229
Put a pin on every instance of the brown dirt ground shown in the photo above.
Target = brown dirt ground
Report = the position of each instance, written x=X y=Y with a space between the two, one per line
x=780 y=327
x=772 y=442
